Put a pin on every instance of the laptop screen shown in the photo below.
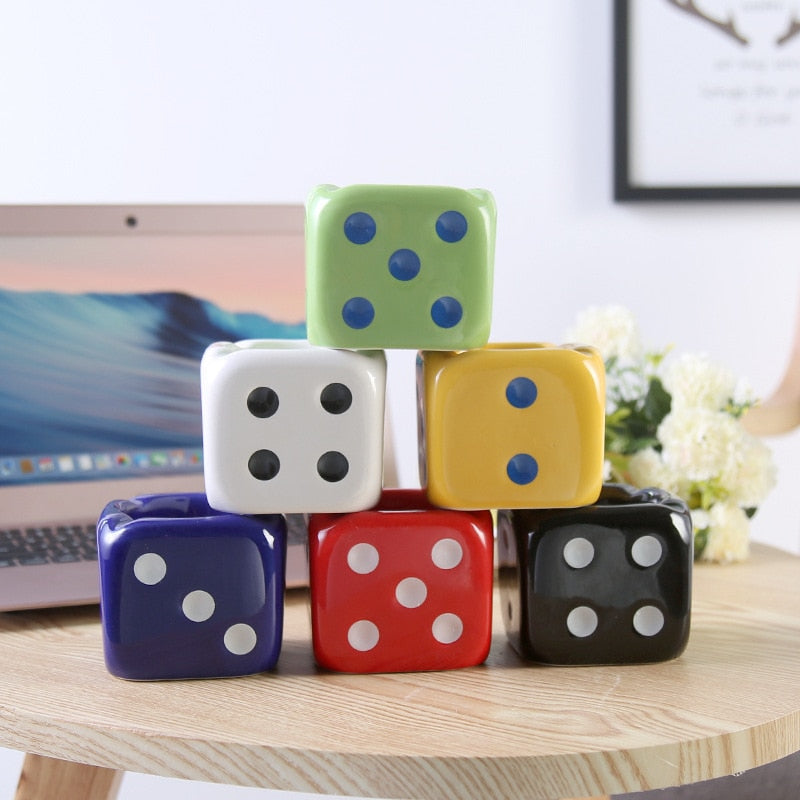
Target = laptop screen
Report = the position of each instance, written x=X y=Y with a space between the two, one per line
x=100 y=365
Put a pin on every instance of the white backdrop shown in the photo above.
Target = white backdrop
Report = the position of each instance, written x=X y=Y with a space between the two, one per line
x=513 y=96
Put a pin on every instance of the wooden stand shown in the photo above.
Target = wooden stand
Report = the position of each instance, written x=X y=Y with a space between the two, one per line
x=507 y=729
x=52 y=779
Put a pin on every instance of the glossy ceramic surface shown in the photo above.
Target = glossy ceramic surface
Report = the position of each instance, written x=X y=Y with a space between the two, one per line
x=399 y=266
x=188 y=592
x=605 y=584
x=401 y=587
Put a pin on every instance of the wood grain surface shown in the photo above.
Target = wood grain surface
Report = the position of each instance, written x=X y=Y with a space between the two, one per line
x=507 y=729
x=46 y=778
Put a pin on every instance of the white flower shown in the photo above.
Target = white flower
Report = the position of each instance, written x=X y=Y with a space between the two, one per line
x=701 y=519
x=699 y=451
x=750 y=473
x=628 y=385
x=613 y=330
x=647 y=468
x=699 y=444
x=743 y=394
x=695 y=382
x=728 y=534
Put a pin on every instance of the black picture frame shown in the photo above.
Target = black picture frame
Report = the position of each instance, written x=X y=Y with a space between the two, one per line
x=626 y=184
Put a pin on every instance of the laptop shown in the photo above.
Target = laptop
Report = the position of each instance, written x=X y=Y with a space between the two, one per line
x=102 y=325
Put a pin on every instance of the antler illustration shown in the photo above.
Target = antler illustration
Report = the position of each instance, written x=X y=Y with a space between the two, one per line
x=727 y=27
x=792 y=31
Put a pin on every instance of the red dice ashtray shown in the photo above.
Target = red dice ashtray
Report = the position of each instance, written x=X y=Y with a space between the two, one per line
x=404 y=586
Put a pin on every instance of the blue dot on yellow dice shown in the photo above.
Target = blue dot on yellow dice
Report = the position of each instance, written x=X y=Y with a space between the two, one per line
x=512 y=426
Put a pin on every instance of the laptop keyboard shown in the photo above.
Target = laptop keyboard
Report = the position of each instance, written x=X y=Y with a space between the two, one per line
x=58 y=545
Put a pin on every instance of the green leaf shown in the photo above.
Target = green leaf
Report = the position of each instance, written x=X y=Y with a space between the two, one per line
x=657 y=402
x=700 y=542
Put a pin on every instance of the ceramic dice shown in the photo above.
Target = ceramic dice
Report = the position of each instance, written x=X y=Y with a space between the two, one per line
x=511 y=426
x=399 y=267
x=292 y=428
x=401 y=587
x=605 y=584
x=188 y=592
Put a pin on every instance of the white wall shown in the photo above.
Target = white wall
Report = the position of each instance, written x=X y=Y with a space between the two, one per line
x=513 y=96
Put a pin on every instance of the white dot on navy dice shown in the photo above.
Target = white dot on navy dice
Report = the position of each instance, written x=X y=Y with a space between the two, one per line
x=240 y=639
x=578 y=552
x=198 y=606
x=150 y=569
x=646 y=551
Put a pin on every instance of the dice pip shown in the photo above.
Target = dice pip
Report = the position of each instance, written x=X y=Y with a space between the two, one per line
x=511 y=426
x=189 y=592
x=292 y=428
x=401 y=587
x=608 y=583
x=399 y=267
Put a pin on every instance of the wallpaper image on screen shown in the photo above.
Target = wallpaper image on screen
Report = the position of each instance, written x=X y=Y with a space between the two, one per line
x=104 y=383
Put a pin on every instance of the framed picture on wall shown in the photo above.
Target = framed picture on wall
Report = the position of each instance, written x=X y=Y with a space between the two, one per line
x=707 y=99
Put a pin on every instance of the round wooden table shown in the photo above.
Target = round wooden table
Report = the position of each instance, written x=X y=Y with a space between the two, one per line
x=503 y=730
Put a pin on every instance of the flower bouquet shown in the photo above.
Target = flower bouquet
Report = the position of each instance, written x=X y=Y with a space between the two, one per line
x=675 y=423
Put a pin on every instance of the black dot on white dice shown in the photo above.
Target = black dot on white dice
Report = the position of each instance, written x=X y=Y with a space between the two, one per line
x=333 y=466
x=264 y=465
x=336 y=398
x=578 y=552
x=262 y=402
x=291 y=428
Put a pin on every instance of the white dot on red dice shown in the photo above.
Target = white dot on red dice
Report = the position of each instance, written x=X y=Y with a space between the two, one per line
x=150 y=569
x=447 y=553
x=198 y=606
x=447 y=628
x=648 y=621
x=240 y=639
x=363 y=635
x=362 y=558
x=411 y=592
x=582 y=621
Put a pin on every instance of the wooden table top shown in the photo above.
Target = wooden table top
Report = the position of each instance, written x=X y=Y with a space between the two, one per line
x=506 y=729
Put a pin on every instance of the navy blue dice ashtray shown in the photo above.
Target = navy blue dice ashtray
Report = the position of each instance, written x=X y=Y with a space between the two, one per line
x=187 y=591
